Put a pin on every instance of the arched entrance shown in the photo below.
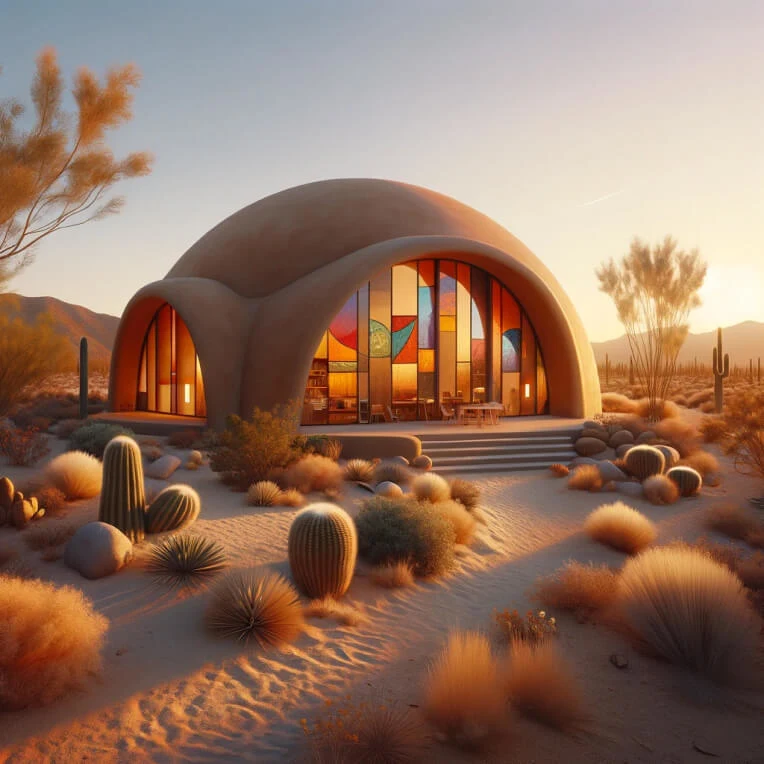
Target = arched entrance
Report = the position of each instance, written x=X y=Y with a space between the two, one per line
x=420 y=337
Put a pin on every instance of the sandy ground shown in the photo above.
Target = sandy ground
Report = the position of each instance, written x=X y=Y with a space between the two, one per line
x=170 y=692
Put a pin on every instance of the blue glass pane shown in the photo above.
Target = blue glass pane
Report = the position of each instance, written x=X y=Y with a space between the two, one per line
x=510 y=350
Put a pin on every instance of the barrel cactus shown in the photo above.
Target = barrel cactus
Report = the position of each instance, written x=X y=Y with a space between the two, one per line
x=176 y=506
x=322 y=550
x=688 y=480
x=644 y=461
x=123 y=501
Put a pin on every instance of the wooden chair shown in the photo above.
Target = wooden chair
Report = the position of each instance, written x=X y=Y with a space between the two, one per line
x=449 y=414
x=392 y=416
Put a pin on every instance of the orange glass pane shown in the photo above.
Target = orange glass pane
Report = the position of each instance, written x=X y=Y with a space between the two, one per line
x=426 y=360
x=340 y=352
x=448 y=323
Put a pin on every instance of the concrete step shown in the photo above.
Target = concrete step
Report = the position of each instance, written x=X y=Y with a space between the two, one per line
x=550 y=457
x=489 y=434
x=523 y=466
x=498 y=448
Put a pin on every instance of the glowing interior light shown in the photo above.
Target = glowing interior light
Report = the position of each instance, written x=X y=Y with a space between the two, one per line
x=187 y=393
x=527 y=391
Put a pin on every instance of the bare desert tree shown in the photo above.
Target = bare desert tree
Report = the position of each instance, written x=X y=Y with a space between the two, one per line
x=654 y=291
x=57 y=174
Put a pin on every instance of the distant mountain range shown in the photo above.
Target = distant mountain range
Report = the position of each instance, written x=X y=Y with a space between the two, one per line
x=741 y=342
x=73 y=321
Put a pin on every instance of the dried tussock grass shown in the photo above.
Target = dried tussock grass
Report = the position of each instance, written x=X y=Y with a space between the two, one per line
x=345 y=613
x=692 y=611
x=263 y=493
x=683 y=436
x=52 y=640
x=314 y=472
x=76 y=474
x=542 y=686
x=49 y=535
x=660 y=490
x=396 y=575
x=702 y=461
x=463 y=522
x=465 y=492
x=751 y=571
x=291 y=497
x=559 y=470
x=582 y=589
x=713 y=429
x=50 y=498
x=736 y=522
x=585 y=477
x=619 y=526
x=185 y=560
x=464 y=695
x=431 y=487
x=618 y=404
x=359 y=471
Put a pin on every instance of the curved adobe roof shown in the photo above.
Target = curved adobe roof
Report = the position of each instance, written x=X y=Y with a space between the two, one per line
x=277 y=240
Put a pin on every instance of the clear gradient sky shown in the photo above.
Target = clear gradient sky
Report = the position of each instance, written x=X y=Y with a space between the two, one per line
x=574 y=124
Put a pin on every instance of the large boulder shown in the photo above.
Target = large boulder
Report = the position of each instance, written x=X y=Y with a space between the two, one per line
x=595 y=432
x=610 y=471
x=670 y=454
x=646 y=437
x=97 y=550
x=588 y=446
x=621 y=438
x=163 y=467
x=634 y=490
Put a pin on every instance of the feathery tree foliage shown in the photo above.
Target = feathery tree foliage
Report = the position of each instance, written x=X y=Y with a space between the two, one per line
x=654 y=291
x=57 y=173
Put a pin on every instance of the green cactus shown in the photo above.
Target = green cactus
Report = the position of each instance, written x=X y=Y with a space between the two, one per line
x=322 y=548
x=721 y=372
x=644 y=461
x=177 y=506
x=688 y=481
x=123 y=502
x=84 y=378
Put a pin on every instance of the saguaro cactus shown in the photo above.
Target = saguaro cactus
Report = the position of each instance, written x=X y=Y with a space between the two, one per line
x=631 y=370
x=607 y=369
x=123 y=501
x=721 y=372
x=84 y=378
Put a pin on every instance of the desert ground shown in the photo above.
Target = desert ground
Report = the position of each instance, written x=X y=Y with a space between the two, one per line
x=171 y=692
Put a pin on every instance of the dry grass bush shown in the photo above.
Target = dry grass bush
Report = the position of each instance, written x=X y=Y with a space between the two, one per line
x=49 y=534
x=582 y=589
x=660 y=490
x=702 y=461
x=359 y=471
x=51 y=641
x=393 y=472
x=76 y=474
x=376 y=733
x=559 y=470
x=264 y=493
x=23 y=447
x=736 y=522
x=342 y=612
x=708 y=407
x=692 y=611
x=585 y=477
x=185 y=560
x=713 y=429
x=541 y=685
x=465 y=492
x=405 y=530
x=684 y=437
x=50 y=498
x=66 y=427
x=291 y=497
x=620 y=527
x=314 y=473
x=533 y=627
x=395 y=575
x=618 y=404
x=702 y=396
x=666 y=409
x=680 y=400
x=431 y=487
x=250 y=605
x=465 y=698
x=724 y=554
x=461 y=520
x=751 y=571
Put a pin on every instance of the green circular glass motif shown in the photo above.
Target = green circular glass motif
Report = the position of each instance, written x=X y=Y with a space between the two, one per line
x=379 y=340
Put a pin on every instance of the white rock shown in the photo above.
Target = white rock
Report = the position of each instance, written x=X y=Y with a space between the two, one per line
x=163 y=467
x=389 y=489
x=97 y=550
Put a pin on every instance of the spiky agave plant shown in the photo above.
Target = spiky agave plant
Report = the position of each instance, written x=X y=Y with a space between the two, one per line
x=264 y=493
x=359 y=471
x=248 y=605
x=186 y=560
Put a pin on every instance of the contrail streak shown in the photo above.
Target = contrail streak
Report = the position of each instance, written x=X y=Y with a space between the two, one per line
x=602 y=198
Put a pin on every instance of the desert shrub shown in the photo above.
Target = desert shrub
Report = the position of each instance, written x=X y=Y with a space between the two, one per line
x=751 y=571
x=734 y=521
x=691 y=611
x=368 y=732
x=49 y=534
x=342 y=612
x=290 y=497
x=50 y=499
x=249 y=605
x=250 y=450
x=23 y=447
x=331 y=448
x=683 y=436
x=404 y=530
x=67 y=427
x=51 y=641
x=465 y=492
x=321 y=444
x=617 y=403
x=541 y=685
x=580 y=588
x=620 y=527
x=532 y=627
x=464 y=697
x=314 y=473
x=680 y=400
x=185 y=438
x=76 y=474
x=93 y=437
x=585 y=477
x=394 y=472
x=185 y=560
x=713 y=429
x=702 y=396
x=359 y=471
x=264 y=493
x=394 y=575
x=660 y=489
x=701 y=461
x=559 y=470
x=431 y=487
x=461 y=520
x=152 y=453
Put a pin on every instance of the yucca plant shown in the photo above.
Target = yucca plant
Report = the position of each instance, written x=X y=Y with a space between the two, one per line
x=359 y=471
x=251 y=605
x=186 y=560
x=264 y=493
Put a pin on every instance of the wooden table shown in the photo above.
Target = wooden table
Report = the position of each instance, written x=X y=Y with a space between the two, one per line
x=483 y=412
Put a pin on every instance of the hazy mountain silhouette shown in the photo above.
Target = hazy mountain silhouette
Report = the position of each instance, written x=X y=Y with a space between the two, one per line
x=741 y=342
x=73 y=321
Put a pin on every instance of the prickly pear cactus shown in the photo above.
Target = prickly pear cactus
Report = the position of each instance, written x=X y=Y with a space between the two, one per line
x=123 y=501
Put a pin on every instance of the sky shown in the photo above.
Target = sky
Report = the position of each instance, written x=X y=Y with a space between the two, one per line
x=576 y=125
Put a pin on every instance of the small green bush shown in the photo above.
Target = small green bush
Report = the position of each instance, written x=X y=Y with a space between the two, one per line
x=406 y=530
x=93 y=437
